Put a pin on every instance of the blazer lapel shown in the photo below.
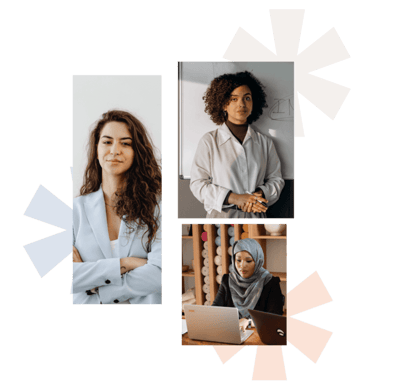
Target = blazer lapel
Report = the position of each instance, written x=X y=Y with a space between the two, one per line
x=123 y=246
x=96 y=215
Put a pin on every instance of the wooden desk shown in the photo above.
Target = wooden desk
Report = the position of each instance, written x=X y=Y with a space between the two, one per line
x=252 y=340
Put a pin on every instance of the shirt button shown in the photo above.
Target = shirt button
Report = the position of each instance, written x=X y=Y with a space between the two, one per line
x=116 y=301
x=107 y=281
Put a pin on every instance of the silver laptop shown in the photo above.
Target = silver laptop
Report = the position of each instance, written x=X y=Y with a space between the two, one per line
x=218 y=324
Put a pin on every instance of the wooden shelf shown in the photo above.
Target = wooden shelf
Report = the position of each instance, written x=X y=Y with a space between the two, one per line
x=189 y=273
x=197 y=230
x=281 y=275
x=255 y=231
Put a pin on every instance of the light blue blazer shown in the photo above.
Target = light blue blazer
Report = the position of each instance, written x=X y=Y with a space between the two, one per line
x=102 y=269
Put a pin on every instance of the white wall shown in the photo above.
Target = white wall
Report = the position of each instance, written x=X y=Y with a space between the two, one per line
x=276 y=260
x=94 y=95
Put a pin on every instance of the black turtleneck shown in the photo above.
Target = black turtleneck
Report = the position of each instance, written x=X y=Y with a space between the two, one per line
x=238 y=130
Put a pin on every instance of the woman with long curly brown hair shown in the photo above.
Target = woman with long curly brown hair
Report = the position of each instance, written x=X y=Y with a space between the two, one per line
x=117 y=218
x=236 y=171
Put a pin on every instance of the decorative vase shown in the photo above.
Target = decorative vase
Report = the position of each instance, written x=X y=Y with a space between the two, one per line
x=275 y=229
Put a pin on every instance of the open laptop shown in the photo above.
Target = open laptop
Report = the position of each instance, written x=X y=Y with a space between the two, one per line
x=272 y=329
x=218 y=324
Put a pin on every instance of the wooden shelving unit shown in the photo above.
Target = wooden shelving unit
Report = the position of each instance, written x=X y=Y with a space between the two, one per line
x=255 y=231
x=197 y=230
x=189 y=273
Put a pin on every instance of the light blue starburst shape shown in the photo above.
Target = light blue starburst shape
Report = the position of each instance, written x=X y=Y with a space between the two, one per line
x=47 y=253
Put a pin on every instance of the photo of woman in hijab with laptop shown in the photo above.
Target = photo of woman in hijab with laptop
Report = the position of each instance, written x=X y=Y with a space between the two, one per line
x=249 y=285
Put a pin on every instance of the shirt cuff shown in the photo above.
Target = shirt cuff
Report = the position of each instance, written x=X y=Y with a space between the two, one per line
x=266 y=194
x=226 y=198
x=113 y=275
x=260 y=190
x=221 y=198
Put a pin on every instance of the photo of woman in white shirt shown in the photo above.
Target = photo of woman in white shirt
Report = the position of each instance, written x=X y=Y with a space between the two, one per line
x=236 y=171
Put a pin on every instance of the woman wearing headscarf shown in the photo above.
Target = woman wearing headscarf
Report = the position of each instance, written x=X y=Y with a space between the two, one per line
x=248 y=285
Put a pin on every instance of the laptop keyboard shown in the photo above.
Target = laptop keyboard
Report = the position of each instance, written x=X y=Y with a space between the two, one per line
x=244 y=335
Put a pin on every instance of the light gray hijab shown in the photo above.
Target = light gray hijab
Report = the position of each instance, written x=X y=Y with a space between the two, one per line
x=247 y=291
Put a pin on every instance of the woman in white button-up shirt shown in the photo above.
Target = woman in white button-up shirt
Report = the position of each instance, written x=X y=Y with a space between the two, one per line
x=236 y=171
x=116 y=218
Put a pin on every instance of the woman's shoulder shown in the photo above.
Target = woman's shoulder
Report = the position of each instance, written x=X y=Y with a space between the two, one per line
x=225 y=279
x=209 y=136
x=274 y=281
x=262 y=137
x=225 y=276
x=78 y=206
x=79 y=200
x=82 y=199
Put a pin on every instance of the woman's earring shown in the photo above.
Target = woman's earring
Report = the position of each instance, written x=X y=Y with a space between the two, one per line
x=225 y=115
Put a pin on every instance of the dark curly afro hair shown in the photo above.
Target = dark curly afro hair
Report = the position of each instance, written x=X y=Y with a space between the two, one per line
x=218 y=94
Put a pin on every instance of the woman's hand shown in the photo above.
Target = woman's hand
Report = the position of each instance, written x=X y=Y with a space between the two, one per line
x=259 y=196
x=243 y=324
x=254 y=209
x=76 y=257
x=129 y=263
x=248 y=203
x=241 y=200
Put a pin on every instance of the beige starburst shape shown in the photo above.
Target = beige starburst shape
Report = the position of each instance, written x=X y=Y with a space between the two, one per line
x=328 y=97
x=327 y=50
x=310 y=340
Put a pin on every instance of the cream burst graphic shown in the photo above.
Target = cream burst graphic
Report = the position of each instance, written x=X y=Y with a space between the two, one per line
x=327 y=50
x=310 y=340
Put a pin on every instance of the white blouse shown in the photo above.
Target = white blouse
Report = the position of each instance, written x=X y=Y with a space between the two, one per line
x=222 y=164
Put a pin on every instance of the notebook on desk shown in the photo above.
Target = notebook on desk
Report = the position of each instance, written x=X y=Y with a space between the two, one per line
x=271 y=328
x=218 y=324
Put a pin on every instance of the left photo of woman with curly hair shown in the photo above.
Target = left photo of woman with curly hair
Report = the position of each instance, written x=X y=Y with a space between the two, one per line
x=117 y=190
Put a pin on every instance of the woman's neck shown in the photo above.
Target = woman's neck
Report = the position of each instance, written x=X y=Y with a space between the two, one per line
x=110 y=184
x=238 y=130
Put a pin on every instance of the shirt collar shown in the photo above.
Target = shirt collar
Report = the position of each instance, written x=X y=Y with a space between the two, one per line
x=224 y=134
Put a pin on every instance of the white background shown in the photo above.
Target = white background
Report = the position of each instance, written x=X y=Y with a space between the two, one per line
x=93 y=96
